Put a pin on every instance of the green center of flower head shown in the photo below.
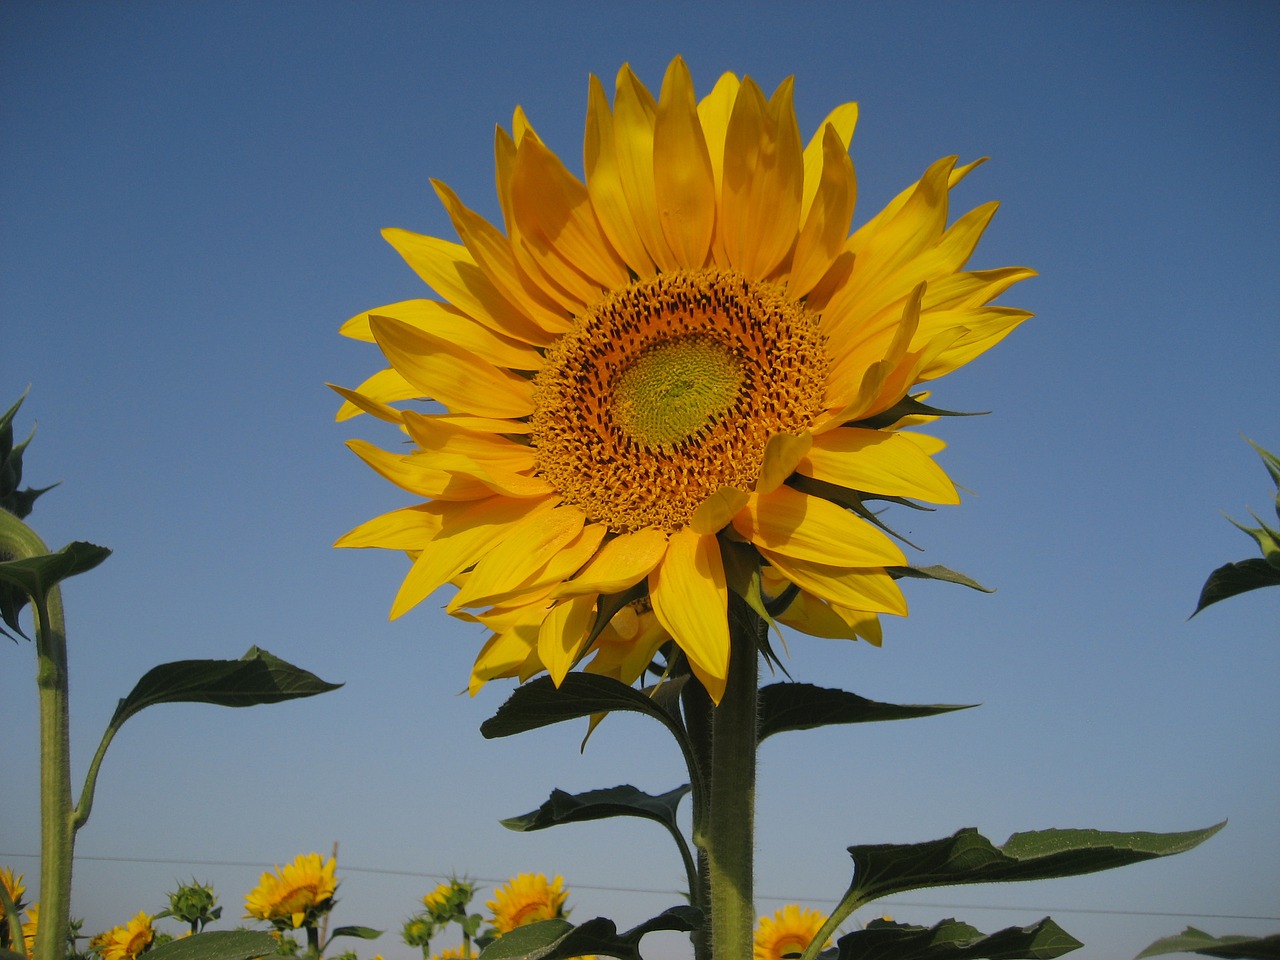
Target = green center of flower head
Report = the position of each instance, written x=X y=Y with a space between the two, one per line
x=670 y=388
x=676 y=389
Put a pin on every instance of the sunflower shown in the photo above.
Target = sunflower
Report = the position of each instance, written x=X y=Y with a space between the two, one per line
x=455 y=953
x=787 y=933
x=672 y=380
x=127 y=942
x=30 y=925
x=297 y=893
x=14 y=887
x=527 y=898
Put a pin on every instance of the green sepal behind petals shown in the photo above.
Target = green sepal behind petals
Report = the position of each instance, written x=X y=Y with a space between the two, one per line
x=910 y=407
x=938 y=572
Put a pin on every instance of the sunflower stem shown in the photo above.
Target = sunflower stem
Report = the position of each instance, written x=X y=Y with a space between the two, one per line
x=57 y=827
x=697 y=710
x=730 y=828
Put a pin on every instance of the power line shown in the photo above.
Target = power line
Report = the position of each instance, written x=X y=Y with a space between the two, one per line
x=427 y=875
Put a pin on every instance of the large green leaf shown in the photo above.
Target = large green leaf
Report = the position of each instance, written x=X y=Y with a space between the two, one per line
x=953 y=940
x=257 y=677
x=968 y=857
x=1234 y=578
x=541 y=703
x=36 y=575
x=1192 y=940
x=620 y=801
x=560 y=940
x=217 y=945
x=802 y=706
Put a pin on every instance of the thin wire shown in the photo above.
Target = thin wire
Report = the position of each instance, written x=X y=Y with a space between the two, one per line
x=383 y=871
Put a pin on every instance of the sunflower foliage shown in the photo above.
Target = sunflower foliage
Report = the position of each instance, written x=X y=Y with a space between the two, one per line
x=657 y=414
x=30 y=575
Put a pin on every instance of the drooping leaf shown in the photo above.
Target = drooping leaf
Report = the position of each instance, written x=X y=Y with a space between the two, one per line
x=36 y=575
x=1235 y=578
x=937 y=571
x=560 y=940
x=968 y=857
x=953 y=940
x=1192 y=940
x=802 y=706
x=362 y=933
x=257 y=677
x=540 y=703
x=217 y=945
x=621 y=801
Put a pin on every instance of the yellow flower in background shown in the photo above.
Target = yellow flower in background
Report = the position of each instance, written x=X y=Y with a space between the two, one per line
x=127 y=942
x=297 y=892
x=671 y=377
x=455 y=953
x=29 y=927
x=527 y=898
x=787 y=933
x=14 y=887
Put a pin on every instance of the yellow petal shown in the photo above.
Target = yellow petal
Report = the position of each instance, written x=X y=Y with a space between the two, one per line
x=715 y=512
x=781 y=454
x=417 y=476
x=436 y=435
x=467 y=533
x=683 y=183
x=604 y=183
x=634 y=113
x=409 y=528
x=876 y=461
x=842 y=120
x=826 y=225
x=713 y=113
x=525 y=548
x=798 y=525
x=691 y=600
x=869 y=590
x=563 y=635
x=357 y=402
x=621 y=563
x=451 y=374
x=553 y=210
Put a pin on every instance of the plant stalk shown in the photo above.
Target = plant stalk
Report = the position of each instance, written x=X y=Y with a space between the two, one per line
x=730 y=828
x=57 y=827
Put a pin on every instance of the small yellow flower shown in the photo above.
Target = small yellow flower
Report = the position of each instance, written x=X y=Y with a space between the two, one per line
x=127 y=942
x=29 y=927
x=297 y=892
x=787 y=933
x=14 y=886
x=455 y=953
x=527 y=898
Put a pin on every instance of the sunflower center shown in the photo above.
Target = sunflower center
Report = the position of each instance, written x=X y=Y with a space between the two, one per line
x=670 y=388
x=674 y=389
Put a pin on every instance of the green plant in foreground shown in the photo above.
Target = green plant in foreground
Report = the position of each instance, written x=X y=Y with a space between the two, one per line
x=30 y=573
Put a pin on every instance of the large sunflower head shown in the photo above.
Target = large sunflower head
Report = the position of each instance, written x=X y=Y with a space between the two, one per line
x=787 y=934
x=297 y=894
x=527 y=898
x=127 y=942
x=675 y=379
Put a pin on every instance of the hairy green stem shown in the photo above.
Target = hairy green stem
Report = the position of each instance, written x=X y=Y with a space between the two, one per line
x=730 y=829
x=57 y=826
x=696 y=707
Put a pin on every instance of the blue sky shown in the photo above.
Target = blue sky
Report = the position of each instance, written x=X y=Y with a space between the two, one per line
x=191 y=197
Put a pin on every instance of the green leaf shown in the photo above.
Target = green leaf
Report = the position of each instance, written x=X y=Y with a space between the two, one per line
x=620 y=801
x=362 y=933
x=1235 y=578
x=938 y=572
x=217 y=945
x=802 y=706
x=11 y=955
x=257 y=677
x=540 y=703
x=953 y=940
x=909 y=407
x=968 y=857
x=36 y=575
x=1192 y=940
x=560 y=940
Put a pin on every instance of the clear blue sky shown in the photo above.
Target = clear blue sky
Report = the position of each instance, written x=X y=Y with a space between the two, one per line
x=190 y=199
